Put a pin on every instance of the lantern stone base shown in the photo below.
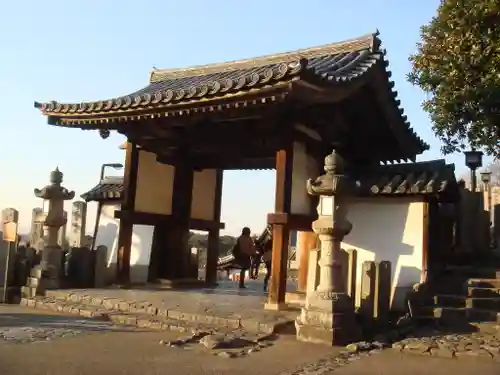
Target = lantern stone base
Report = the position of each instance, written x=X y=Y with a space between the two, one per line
x=328 y=321
x=52 y=263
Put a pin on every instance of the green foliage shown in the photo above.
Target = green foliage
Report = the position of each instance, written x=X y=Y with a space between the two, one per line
x=458 y=65
x=200 y=240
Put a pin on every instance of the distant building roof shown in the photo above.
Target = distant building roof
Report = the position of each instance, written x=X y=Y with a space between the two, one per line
x=109 y=189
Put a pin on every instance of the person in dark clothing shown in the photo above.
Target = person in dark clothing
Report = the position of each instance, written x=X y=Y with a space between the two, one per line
x=267 y=259
x=245 y=250
x=255 y=261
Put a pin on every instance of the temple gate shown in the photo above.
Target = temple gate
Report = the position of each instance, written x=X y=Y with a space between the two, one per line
x=285 y=111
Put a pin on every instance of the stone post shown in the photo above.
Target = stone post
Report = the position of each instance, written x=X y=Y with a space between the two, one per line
x=78 y=223
x=8 y=248
x=37 y=219
x=61 y=235
x=55 y=195
x=328 y=314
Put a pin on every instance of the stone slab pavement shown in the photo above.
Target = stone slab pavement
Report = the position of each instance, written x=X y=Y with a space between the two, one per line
x=224 y=301
x=100 y=348
x=390 y=362
x=20 y=325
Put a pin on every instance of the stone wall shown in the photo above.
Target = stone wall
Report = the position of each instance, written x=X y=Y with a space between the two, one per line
x=478 y=220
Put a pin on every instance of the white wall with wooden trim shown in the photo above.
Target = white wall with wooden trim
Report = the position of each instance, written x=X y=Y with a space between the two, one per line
x=204 y=184
x=388 y=229
x=142 y=237
x=154 y=185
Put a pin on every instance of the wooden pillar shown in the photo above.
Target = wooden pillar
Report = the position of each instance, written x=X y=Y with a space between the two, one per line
x=128 y=206
x=178 y=232
x=157 y=260
x=281 y=230
x=213 y=234
x=425 y=243
x=306 y=242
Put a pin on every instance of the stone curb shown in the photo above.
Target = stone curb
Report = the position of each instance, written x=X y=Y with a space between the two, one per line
x=469 y=348
x=144 y=314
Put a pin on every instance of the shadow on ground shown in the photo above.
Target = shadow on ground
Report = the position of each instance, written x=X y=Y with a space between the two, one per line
x=16 y=320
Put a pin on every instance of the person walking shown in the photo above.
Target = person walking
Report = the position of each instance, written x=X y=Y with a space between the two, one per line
x=267 y=259
x=243 y=251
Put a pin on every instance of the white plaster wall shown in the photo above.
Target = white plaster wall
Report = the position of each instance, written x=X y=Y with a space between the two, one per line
x=304 y=167
x=154 y=185
x=142 y=237
x=107 y=232
x=203 y=198
x=388 y=230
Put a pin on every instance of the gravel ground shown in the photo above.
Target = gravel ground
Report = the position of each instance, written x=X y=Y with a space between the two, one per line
x=35 y=343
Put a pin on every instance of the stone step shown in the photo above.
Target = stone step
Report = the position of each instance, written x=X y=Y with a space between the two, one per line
x=486 y=303
x=484 y=283
x=120 y=318
x=36 y=272
x=33 y=282
x=160 y=323
x=484 y=273
x=45 y=303
x=267 y=323
x=451 y=315
x=483 y=292
x=449 y=300
x=474 y=272
x=28 y=292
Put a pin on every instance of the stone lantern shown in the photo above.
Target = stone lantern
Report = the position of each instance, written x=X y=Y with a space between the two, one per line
x=54 y=196
x=328 y=315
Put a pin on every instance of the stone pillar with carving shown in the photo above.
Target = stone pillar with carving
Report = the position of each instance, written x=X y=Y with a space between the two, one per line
x=78 y=224
x=328 y=314
x=55 y=195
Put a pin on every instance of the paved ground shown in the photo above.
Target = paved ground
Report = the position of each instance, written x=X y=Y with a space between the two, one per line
x=35 y=343
x=225 y=302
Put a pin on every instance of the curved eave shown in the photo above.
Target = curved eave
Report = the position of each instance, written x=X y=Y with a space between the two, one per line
x=108 y=190
x=332 y=67
x=130 y=105
x=397 y=115
x=110 y=119
x=268 y=92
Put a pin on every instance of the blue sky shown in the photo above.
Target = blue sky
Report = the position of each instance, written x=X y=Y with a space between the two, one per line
x=97 y=49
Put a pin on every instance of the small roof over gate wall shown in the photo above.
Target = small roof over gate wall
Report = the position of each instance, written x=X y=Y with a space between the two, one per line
x=109 y=189
x=423 y=178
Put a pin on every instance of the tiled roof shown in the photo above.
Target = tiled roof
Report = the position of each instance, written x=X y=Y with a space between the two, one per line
x=171 y=90
x=335 y=63
x=423 y=178
x=110 y=188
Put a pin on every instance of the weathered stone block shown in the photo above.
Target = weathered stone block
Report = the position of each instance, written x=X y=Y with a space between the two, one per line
x=382 y=292
x=367 y=290
x=100 y=266
x=78 y=224
x=442 y=352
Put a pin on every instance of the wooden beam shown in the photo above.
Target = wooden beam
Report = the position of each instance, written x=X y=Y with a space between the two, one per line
x=382 y=93
x=232 y=142
x=310 y=92
x=128 y=203
x=146 y=218
x=425 y=242
x=281 y=231
x=213 y=234
x=293 y=221
x=306 y=242
x=178 y=233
